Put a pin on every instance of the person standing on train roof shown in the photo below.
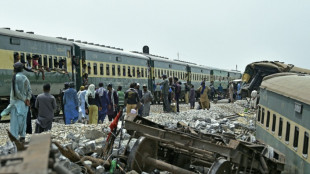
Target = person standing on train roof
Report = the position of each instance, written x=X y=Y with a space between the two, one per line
x=146 y=100
x=19 y=102
x=103 y=97
x=131 y=98
x=46 y=105
x=165 y=93
x=140 y=109
x=93 y=104
x=71 y=104
x=204 y=101
x=113 y=102
x=121 y=98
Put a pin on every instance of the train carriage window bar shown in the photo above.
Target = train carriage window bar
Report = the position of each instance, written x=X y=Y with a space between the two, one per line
x=274 y=119
x=133 y=72
x=124 y=71
x=296 y=136
x=65 y=63
x=128 y=72
x=138 y=73
x=158 y=73
x=258 y=114
x=287 y=134
x=306 y=145
x=40 y=60
x=45 y=62
x=101 y=69
x=268 y=119
x=95 y=68
x=50 y=62
x=119 y=70
x=142 y=72
x=280 y=127
x=55 y=62
x=107 y=69
x=113 y=70
x=60 y=63
x=263 y=115
x=161 y=72
x=146 y=72
x=88 y=68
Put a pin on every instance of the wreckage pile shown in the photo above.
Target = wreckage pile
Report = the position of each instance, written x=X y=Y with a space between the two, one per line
x=88 y=142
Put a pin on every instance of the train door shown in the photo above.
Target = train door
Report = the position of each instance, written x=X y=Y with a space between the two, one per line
x=188 y=73
x=151 y=79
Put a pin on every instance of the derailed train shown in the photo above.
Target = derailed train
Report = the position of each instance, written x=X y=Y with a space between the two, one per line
x=283 y=118
x=101 y=64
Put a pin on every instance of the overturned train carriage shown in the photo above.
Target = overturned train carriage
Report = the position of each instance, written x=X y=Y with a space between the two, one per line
x=185 y=150
x=283 y=120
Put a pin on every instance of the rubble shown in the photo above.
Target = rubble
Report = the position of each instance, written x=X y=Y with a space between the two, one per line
x=87 y=142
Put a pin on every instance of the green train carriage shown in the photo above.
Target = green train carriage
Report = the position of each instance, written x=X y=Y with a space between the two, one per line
x=106 y=65
x=49 y=49
x=283 y=120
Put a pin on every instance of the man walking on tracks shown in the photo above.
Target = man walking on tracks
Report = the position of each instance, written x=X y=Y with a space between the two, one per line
x=204 y=101
x=165 y=93
x=19 y=102
x=147 y=98
x=71 y=105
x=131 y=98
x=46 y=104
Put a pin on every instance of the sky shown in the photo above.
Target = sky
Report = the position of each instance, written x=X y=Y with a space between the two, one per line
x=218 y=33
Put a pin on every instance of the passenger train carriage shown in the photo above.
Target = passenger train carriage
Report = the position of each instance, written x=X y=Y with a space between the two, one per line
x=283 y=118
x=101 y=64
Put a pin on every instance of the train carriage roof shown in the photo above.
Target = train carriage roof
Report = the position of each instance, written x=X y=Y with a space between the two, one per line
x=12 y=33
x=292 y=85
x=109 y=50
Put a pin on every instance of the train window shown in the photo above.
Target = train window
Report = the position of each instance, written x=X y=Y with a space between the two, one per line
x=22 y=58
x=129 y=73
x=268 y=119
x=45 y=61
x=162 y=72
x=306 y=144
x=119 y=70
x=101 y=69
x=133 y=72
x=155 y=73
x=158 y=73
x=138 y=72
x=113 y=70
x=142 y=72
x=65 y=63
x=95 y=68
x=124 y=71
x=40 y=60
x=50 y=62
x=89 y=68
x=263 y=115
x=16 y=57
x=288 y=129
x=107 y=69
x=146 y=72
x=55 y=62
x=280 y=127
x=296 y=135
x=274 y=119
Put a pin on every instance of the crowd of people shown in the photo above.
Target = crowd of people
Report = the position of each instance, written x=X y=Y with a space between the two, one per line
x=91 y=104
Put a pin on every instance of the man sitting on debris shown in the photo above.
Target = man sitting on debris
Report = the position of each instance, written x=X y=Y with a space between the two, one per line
x=204 y=101
x=46 y=105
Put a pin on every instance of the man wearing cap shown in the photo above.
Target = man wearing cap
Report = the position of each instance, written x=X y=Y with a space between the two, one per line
x=165 y=93
x=19 y=102
x=146 y=100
